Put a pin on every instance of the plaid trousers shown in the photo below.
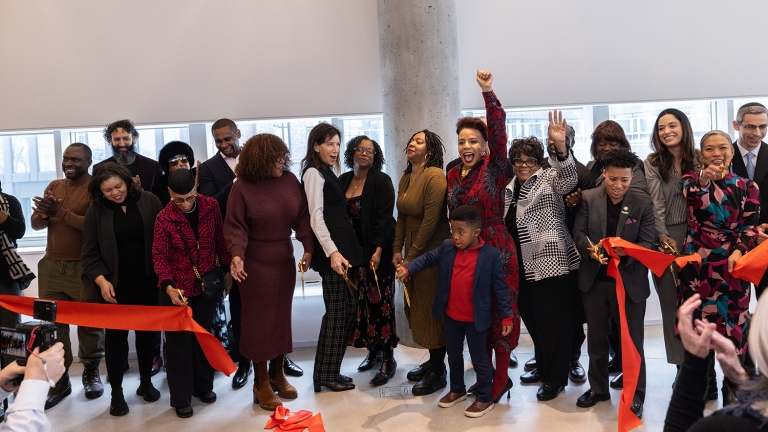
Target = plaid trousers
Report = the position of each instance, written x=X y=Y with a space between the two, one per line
x=336 y=328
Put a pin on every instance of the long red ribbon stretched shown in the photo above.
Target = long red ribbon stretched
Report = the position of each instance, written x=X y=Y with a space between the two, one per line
x=128 y=317
x=657 y=262
x=285 y=420
x=752 y=266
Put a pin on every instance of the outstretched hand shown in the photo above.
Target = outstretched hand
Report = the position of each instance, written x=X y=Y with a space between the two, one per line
x=485 y=80
x=557 y=130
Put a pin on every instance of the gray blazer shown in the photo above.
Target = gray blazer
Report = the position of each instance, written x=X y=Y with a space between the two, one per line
x=669 y=204
x=99 y=244
x=636 y=225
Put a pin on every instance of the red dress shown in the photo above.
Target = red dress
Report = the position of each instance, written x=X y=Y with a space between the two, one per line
x=484 y=187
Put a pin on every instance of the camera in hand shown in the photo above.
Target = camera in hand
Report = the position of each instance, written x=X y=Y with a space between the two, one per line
x=17 y=343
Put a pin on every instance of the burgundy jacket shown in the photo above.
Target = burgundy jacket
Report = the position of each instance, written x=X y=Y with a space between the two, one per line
x=169 y=256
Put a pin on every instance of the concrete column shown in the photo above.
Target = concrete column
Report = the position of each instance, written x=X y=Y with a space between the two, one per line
x=419 y=85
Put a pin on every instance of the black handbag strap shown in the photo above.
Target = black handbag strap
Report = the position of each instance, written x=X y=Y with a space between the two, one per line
x=191 y=258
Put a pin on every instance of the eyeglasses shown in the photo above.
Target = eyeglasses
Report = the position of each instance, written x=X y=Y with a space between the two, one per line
x=368 y=151
x=189 y=199
x=177 y=159
x=530 y=163
x=752 y=128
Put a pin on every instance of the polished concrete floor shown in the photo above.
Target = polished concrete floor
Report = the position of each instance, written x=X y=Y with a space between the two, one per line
x=367 y=408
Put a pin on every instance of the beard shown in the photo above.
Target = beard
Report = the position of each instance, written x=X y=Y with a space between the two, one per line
x=126 y=158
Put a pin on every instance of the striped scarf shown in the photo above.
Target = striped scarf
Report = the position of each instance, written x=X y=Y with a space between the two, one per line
x=20 y=273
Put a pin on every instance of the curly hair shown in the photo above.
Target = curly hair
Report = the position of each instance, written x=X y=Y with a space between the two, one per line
x=104 y=172
x=258 y=157
x=620 y=158
x=662 y=157
x=609 y=131
x=472 y=123
x=349 y=153
x=124 y=124
x=319 y=134
x=435 y=150
x=530 y=146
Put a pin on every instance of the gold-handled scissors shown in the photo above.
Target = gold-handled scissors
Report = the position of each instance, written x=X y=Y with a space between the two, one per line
x=595 y=249
x=405 y=289
x=722 y=171
x=181 y=295
x=301 y=269
x=352 y=287
x=376 y=277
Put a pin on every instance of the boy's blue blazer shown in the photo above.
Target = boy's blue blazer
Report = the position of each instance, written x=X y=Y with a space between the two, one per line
x=489 y=278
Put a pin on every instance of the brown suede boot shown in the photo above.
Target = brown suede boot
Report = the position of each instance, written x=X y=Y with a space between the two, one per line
x=262 y=390
x=279 y=382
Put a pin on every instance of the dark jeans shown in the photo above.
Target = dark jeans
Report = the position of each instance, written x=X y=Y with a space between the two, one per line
x=455 y=332
x=188 y=369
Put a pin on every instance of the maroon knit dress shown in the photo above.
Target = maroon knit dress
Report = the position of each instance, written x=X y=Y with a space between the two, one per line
x=258 y=226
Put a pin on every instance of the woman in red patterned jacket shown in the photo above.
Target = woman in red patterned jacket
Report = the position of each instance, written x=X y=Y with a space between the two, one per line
x=195 y=220
x=479 y=180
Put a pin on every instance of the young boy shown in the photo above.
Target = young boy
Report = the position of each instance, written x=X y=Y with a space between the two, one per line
x=470 y=273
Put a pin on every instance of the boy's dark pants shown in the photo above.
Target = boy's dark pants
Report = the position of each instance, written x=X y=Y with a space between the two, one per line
x=455 y=332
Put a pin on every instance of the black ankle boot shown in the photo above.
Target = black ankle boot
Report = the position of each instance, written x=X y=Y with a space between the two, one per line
x=387 y=369
x=374 y=357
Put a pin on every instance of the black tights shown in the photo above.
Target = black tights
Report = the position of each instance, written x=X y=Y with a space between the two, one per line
x=437 y=359
x=116 y=353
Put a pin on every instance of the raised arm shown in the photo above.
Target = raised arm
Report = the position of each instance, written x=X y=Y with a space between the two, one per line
x=496 y=118
x=434 y=206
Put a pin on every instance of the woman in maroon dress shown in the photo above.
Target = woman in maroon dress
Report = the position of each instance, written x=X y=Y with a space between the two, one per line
x=480 y=180
x=265 y=204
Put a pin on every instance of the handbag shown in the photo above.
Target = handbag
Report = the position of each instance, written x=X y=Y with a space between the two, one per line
x=213 y=282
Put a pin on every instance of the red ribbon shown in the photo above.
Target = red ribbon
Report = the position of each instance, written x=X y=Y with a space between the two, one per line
x=657 y=262
x=285 y=420
x=129 y=317
x=752 y=266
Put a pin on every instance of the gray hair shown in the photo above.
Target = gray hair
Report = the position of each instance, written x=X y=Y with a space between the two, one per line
x=711 y=134
x=750 y=108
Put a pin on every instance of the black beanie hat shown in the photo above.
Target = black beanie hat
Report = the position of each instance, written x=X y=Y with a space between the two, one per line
x=181 y=181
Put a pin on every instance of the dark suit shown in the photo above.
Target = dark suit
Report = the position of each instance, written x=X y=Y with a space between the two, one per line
x=147 y=169
x=214 y=179
x=761 y=169
x=635 y=224
x=489 y=281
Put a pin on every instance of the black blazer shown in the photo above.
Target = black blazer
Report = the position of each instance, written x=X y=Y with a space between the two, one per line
x=378 y=225
x=637 y=224
x=147 y=169
x=761 y=179
x=100 y=247
x=214 y=180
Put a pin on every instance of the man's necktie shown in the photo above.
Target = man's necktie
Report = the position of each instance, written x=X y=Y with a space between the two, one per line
x=751 y=165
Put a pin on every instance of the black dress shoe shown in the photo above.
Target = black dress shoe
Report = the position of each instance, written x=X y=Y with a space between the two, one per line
x=419 y=372
x=62 y=389
x=614 y=366
x=530 y=365
x=577 y=373
x=512 y=360
x=548 y=391
x=205 y=397
x=530 y=377
x=506 y=390
x=618 y=382
x=336 y=386
x=345 y=379
x=372 y=359
x=241 y=376
x=291 y=368
x=590 y=399
x=637 y=408
x=431 y=383
x=184 y=411
x=386 y=371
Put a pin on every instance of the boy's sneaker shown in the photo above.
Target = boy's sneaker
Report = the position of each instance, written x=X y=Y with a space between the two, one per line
x=478 y=409
x=451 y=399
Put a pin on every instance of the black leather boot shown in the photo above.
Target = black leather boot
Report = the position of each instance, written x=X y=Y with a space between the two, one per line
x=387 y=369
x=373 y=358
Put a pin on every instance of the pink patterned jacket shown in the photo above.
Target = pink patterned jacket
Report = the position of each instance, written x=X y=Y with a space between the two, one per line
x=169 y=256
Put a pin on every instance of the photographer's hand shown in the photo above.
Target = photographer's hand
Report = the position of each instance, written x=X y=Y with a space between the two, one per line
x=54 y=364
x=8 y=374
